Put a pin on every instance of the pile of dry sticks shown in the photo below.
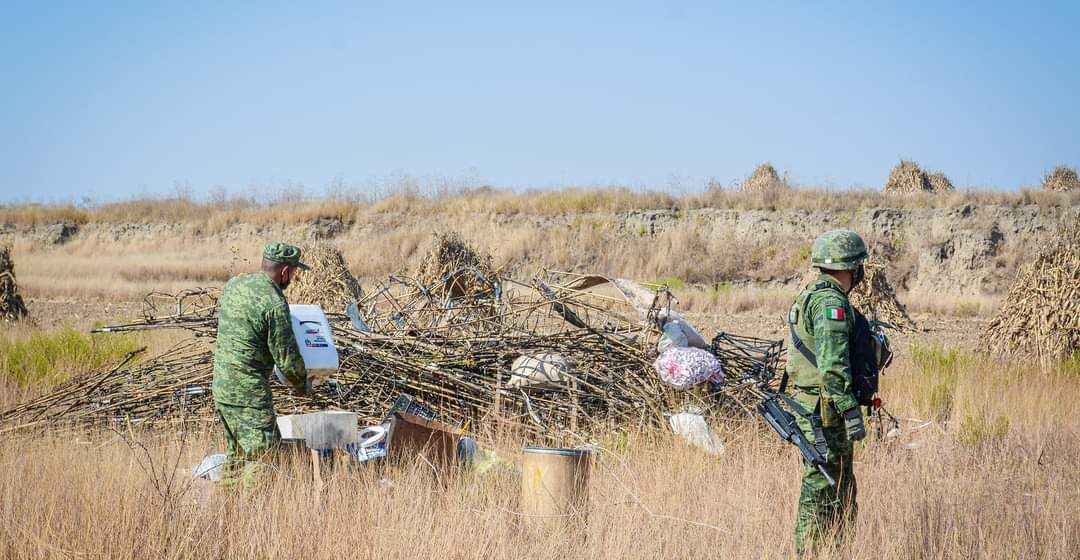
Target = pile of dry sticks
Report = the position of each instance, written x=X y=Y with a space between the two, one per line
x=449 y=343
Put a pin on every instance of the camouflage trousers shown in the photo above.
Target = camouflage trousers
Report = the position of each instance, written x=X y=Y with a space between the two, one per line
x=826 y=513
x=251 y=443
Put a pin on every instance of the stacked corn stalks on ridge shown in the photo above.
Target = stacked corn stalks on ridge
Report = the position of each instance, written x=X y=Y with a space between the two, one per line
x=446 y=335
x=1061 y=179
x=908 y=177
x=875 y=298
x=12 y=307
x=1040 y=319
x=764 y=179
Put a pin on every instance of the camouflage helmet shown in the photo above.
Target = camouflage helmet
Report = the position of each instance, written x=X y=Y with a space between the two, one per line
x=839 y=249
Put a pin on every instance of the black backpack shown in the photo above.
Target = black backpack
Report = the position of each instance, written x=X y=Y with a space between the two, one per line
x=864 y=362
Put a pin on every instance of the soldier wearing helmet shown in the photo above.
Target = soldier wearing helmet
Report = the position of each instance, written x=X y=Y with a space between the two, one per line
x=819 y=364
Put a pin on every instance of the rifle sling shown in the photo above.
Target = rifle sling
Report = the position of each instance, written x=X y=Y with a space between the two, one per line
x=801 y=347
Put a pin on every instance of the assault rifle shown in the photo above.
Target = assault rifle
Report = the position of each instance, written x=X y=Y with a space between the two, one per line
x=784 y=423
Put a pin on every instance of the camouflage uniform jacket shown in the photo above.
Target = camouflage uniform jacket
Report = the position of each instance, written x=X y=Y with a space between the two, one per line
x=254 y=333
x=824 y=321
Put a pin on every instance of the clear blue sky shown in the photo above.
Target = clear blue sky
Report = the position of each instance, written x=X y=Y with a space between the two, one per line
x=111 y=100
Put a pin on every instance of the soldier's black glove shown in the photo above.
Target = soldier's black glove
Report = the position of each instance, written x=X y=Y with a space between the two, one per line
x=853 y=422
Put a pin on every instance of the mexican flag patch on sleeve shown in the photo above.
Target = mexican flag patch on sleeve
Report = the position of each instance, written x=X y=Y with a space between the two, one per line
x=835 y=313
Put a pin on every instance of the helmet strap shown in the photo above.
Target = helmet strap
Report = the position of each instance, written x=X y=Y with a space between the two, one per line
x=857 y=276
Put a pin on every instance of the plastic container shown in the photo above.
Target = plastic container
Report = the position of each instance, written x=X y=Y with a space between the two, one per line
x=312 y=332
x=554 y=485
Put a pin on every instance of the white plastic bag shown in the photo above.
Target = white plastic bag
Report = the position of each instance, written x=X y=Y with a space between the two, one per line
x=678 y=332
x=682 y=368
x=696 y=431
x=209 y=467
x=673 y=337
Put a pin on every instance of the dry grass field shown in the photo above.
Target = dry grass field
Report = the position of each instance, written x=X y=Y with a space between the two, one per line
x=992 y=472
x=987 y=464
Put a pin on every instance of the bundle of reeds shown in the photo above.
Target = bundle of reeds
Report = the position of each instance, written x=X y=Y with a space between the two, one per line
x=1041 y=316
x=328 y=283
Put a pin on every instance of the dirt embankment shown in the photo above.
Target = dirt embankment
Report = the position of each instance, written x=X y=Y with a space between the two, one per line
x=970 y=250
x=966 y=251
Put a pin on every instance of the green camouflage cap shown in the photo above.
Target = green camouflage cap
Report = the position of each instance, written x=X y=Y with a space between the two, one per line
x=283 y=253
x=839 y=249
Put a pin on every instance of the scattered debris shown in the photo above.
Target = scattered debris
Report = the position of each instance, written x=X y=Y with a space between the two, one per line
x=764 y=179
x=194 y=309
x=1061 y=179
x=451 y=345
x=12 y=307
x=875 y=298
x=1041 y=315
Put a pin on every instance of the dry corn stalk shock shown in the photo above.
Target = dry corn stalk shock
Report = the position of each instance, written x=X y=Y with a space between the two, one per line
x=1061 y=179
x=1040 y=319
x=875 y=298
x=328 y=283
x=764 y=179
x=907 y=177
x=12 y=307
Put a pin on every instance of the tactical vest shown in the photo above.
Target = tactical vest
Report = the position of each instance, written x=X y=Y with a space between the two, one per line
x=862 y=358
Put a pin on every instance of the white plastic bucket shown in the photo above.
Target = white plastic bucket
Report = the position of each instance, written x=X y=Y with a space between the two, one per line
x=316 y=342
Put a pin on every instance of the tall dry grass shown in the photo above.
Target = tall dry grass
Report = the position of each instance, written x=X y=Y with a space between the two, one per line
x=90 y=268
x=947 y=490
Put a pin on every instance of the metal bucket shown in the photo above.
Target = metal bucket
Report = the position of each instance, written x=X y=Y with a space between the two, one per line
x=554 y=485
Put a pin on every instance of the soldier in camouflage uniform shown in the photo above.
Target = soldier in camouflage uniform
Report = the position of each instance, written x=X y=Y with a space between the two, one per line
x=821 y=317
x=255 y=333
